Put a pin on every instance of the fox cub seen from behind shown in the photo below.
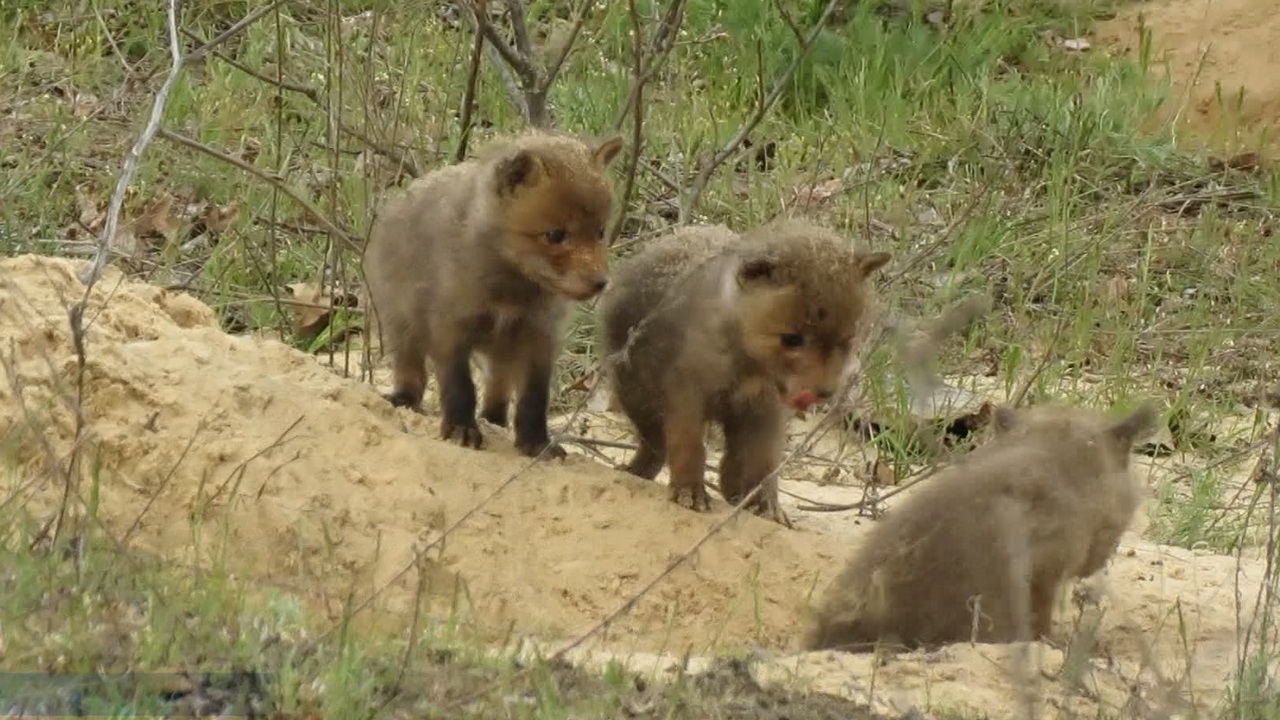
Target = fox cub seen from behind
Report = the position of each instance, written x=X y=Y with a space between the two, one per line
x=704 y=325
x=981 y=551
x=483 y=257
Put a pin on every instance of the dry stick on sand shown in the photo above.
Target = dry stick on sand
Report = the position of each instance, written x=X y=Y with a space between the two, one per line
x=106 y=242
x=766 y=103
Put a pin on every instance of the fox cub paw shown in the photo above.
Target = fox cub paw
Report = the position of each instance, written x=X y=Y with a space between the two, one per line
x=466 y=435
x=404 y=399
x=699 y=499
x=547 y=449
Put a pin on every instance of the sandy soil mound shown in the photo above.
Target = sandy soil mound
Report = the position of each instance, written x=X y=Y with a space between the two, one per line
x=317 y=484
x=214 y=446
x=1207 y=45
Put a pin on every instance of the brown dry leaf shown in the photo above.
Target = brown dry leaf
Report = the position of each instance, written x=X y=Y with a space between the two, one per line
x=90 y=217
x=126 y=241
x=220 y=219
x=84 y=104
x=311 y=307
x=158 y=219
x=817 y=194
x=882 y=474
x=1117 y=290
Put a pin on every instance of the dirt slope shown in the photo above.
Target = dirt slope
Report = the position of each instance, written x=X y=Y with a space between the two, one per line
x=1209 y=46
x=239 y=448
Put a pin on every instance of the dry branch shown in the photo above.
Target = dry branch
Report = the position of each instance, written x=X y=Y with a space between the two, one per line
x=130 y=165
x=527 y=84
x=473 y=80
x=402 y=160
x=351 y=239
x=643 y=67
x=766 y=103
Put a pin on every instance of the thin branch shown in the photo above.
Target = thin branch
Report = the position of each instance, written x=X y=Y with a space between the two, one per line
x=520 y=30
x=704 y=176
x=130 y=166
x=400 y=159
x=232 y=31
x=637 y=122
x=663 y=42
x=554 y=67
x=473 y=81
x=523 y=66
x=270 y=178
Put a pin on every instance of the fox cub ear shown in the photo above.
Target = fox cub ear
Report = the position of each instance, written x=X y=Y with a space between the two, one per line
x=758 y=269
x=607 y=150
x=522 y=169
x=867 y=263
x=1137 y=423
x=1004 y=419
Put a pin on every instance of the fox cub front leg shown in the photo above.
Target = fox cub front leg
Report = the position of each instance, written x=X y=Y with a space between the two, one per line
x=532 y=437
x=458 y=397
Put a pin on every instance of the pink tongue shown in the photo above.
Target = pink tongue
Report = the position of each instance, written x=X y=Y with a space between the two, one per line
x=802 y=400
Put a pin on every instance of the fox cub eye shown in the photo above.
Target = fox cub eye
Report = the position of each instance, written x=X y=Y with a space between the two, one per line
x=556 y=236
x=792 y=340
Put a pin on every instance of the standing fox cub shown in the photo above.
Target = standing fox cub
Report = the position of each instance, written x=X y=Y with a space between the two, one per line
x=981 y=552
x=706 y=325
x=484 y=256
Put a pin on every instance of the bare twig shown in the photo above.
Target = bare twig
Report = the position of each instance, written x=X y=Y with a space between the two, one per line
x=395 y=155
x=527 y=84
x=660 y=46
x=130 y=165
x=554 y=67
x=352 y=240
x=637 y=122
x=473 y=80
x=231 y=32
x=766 y=103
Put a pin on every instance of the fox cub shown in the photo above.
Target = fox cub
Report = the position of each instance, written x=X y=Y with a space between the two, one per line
x=704 y=325
x=981 y=552
x=483 y=257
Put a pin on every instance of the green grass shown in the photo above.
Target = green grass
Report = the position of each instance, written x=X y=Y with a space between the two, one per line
x=999 y=161
x=135 y=634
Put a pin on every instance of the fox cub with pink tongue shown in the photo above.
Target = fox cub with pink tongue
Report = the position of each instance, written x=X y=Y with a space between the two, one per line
x=706 y=325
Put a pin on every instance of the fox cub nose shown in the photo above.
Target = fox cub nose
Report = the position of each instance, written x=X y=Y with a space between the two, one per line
x=599 y=283
x=825 y=394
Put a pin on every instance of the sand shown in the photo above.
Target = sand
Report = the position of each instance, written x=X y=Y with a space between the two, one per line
x=244 y=451
x=1207 y=47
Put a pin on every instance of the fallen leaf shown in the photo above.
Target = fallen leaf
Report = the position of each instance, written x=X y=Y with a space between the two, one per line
x=929 y=216
x=158 y=219
x=1117 y=290
x=817 y=194
x=1076 y=44
x=126 y=242
x=311 y=307
x=1249 y=162
x=90 y=217
x=882 y=474
x=220 y=219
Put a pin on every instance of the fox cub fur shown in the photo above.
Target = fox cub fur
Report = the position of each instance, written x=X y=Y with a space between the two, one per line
x=483 y=257
x=704 y=325
x=981 y=552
